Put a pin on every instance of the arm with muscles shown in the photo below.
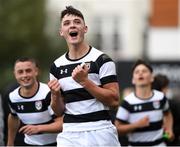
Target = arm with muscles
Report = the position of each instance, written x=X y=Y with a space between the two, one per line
x=168 y=124
x=108 y=94
x=124 y=128
x=13 y=126
x=54 y=127
x=57 y=103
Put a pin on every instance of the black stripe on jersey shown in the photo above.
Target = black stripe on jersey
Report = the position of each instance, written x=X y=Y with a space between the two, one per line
x=108 y=79
x=54 y=70
x=66 y=70
x=152 y=126
x=102 y=59
x=77 y=95
x=143 y=107
x=89 y=117
x=150 y=143
x=48 y=99
x=30 y=107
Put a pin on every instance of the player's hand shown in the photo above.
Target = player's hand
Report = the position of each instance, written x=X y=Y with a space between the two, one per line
x=29 y=129
x=143 y=122
x=80 y=73
x=54 y=87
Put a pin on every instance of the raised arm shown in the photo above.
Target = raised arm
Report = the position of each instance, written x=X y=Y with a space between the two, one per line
x=108 y=94
x=57 y=103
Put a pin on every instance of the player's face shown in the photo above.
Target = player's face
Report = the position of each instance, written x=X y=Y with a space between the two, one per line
x=25 y=73
x=142 y=76
x=73 y=29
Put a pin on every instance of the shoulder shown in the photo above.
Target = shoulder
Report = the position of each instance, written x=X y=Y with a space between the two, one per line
x=59 y=61
x=96 y=51
x=14 y=94
x=130 y=97
x=43 y=87
x=158 y=94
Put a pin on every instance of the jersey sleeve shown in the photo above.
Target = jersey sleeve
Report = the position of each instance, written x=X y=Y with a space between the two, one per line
x=165 y=104
x=47 y=103
x=11 y=107
x=123 y=112
x=107 y=69
x=53 y=72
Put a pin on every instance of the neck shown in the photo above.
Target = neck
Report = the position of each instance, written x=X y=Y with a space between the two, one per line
x=143 y=92
x=29 y=91
x=78 y=51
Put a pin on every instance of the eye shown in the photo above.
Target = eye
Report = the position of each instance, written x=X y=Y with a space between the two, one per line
x=66 y=23
x=20 y=71
x=77 y=21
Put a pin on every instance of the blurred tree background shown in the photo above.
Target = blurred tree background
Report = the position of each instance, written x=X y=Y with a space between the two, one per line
x=22 y=33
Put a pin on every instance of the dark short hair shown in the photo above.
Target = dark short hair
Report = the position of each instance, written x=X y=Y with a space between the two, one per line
x=139 y=62
x=25 y=59
x=70 y=10
x=160 y=81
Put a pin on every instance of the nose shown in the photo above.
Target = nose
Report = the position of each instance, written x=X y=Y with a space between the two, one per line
x=24 y=74
x=72 y=24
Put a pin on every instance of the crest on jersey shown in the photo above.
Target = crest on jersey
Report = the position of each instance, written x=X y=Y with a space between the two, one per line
x=38 y=105
x=88 y=64
x=156 y=104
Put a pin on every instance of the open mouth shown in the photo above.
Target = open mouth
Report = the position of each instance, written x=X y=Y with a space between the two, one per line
x=73 y=34
x=141 y=78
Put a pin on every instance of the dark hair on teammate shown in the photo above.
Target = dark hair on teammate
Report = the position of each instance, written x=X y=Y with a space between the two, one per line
x=139 y=62
x=70 y=10
x=25 y=59
x=160 y=81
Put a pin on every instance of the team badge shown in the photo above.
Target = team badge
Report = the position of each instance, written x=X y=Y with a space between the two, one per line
x=88 y=64
x=38 y=105
x=156 y=104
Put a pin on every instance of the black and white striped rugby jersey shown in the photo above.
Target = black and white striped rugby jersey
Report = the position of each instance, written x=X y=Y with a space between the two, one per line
x=34 y=110
x=82 y=109
x=133 y=108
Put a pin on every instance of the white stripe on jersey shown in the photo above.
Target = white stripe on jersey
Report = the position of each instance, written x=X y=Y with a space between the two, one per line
x=107 y=69
x=154 y=116
x=36 y=118
x=74 y=85
x=146 y=136
x=85 y=106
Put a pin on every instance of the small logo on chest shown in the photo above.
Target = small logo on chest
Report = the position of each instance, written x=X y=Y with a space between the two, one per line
x=137 y=108
x=63 y=71
x=38 y=105
x=156 y=104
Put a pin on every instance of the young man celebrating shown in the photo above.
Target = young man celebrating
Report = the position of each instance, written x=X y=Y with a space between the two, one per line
x=30 y=104
x=142 y=112
x=88 y=83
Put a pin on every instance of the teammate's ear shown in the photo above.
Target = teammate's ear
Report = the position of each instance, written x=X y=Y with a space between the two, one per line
x=133 y=81
x=85 y=29
x=60 y=32
x=152 y=79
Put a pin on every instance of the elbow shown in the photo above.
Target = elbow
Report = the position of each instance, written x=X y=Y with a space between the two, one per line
x=115 y=102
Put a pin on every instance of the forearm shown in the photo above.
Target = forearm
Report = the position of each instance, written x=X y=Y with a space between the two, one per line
x=54 y=127
x=57 y=104
x=168 y=120
x=108 y=95
x=124 y=129
x=13 y=126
